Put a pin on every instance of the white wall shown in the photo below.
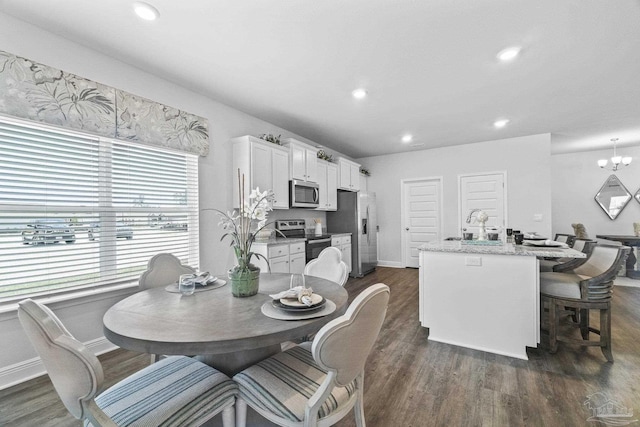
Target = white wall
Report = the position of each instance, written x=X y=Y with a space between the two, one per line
x=576 y=179
x=527 y=161
x=85 y=316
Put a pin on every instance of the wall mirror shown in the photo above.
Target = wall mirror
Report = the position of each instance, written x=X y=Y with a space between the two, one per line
x=613 y=197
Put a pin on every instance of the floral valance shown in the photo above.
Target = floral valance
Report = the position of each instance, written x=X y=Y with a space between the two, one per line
x=41 y=93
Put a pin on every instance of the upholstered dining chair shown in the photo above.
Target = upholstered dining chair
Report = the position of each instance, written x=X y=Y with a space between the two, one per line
x=328 y=265
x=163 y=269
x=587 y=287
x=565 y=238
x=177 y=391
x=567 y=264
x=317 y=384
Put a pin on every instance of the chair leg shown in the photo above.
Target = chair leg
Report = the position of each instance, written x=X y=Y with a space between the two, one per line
x=553 y=327
x=358 y=409
x=241 y=412
x=584 y=323
x=605 y=333
x=229 y=416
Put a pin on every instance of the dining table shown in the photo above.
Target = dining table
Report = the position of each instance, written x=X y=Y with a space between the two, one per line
x=226 y=332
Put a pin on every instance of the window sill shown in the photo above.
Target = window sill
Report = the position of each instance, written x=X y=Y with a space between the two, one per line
x=9 y=310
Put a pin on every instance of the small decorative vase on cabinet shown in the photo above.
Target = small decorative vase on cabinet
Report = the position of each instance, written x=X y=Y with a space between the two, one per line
x=244 y=282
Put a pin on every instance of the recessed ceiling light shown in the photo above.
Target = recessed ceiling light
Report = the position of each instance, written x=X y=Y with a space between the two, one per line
x=509 y=53
x=145 y=11
x=359 y=93
x=407 y=138
x=500 y=123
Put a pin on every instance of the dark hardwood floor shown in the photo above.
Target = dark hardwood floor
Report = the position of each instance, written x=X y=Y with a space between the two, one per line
x=410 y=381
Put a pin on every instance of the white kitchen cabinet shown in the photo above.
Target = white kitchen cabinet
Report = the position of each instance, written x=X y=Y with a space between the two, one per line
x=328 y=185
x=303 y=160
x=343 y=243
x=282 y=257
x=264 y=165
x=348 y=175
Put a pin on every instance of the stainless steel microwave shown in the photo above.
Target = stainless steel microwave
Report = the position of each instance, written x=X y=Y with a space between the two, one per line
x=304 y=194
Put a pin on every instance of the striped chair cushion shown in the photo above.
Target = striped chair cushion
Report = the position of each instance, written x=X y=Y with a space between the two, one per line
x=175 y=391
x=283 y=384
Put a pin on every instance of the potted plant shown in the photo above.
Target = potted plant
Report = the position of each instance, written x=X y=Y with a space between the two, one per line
x=241 y=226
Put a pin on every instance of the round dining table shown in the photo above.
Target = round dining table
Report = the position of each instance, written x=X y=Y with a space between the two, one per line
x=224 y=331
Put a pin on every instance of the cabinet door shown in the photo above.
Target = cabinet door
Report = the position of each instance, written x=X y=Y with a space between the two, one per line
x=298 y=162
x=280 y=186
x=346 y=255
x=279 y=264
x=332 y=187
x=345 y=176
x=261 y=172
x=311 y=165
x=355 y=178
x=296 y=263
x=322 y=186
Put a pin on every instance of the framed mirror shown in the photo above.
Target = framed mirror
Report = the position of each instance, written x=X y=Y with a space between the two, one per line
x=613 y=197
x=637 y=196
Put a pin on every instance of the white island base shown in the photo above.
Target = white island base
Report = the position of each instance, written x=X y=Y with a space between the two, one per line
x=483 y=301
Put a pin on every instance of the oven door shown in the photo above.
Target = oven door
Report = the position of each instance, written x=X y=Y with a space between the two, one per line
x=314 y=247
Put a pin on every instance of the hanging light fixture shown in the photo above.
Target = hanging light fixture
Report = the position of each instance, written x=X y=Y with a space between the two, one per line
x=615 y=160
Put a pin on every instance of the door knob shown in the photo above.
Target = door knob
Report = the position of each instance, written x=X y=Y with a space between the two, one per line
x=407 y=228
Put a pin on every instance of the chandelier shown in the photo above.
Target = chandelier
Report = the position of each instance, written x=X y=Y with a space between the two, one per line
x=615 y=160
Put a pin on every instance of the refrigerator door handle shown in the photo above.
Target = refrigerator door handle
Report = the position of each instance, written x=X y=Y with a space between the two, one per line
x=368 y=234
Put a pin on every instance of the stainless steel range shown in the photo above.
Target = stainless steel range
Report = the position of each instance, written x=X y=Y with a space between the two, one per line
x=296 y=228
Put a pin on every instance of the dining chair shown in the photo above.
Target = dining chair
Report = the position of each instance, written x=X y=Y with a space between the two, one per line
x=565 y=238
x=567 y=264
x=163 y=269
x=317 y=384
x=177 y=391
x=587 y=287
x=328 y=265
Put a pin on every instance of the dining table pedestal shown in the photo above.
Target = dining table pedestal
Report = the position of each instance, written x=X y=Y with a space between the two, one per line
x=225 y=332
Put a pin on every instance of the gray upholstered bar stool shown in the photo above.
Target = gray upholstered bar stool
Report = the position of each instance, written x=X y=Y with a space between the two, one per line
x=568 y=264
x=587 y=287
x=565 y=238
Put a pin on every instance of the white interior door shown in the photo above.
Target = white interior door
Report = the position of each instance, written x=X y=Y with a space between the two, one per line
x=486 y=191
x=421 y=216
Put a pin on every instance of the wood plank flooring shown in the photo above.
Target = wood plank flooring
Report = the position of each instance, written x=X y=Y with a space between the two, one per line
x=410 y=381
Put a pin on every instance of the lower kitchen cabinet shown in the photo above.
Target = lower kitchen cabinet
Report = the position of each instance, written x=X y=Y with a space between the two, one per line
x=343 y=243
x=283 y=257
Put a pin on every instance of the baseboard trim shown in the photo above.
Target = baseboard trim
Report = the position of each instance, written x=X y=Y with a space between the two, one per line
x=392 y=264
x=33 y=368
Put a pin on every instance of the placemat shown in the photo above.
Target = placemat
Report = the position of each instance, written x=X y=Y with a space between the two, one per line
x=270 y=311
x=217 y=284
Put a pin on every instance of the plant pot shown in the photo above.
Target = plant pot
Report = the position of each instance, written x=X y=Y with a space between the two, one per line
x=244 y=283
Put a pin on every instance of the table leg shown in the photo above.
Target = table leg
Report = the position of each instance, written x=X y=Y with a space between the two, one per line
x=232 y=363
x=631 y=264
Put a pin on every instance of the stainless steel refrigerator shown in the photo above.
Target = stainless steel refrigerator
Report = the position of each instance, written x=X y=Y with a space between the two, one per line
x=356 y=214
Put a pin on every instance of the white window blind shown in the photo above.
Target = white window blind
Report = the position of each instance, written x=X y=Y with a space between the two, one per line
x=79 y=211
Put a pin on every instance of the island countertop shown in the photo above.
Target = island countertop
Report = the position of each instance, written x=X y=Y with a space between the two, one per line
x=500 y=249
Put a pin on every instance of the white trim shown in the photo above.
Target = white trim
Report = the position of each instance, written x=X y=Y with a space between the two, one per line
x=69 y=299
x=33 y=368
x=403 y=226
x=392 y=264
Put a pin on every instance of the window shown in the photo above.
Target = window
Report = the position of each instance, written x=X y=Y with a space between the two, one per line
x=79 y=211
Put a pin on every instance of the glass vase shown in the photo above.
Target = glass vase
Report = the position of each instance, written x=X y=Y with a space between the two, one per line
x=245 y=281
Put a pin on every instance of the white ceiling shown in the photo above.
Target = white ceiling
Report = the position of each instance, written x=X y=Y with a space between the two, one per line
x=429 y=66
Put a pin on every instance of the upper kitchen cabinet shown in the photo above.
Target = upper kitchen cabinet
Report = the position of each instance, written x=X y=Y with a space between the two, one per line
x=348 y=175
x=328 y=185
x=303 y=160
x=264 y=165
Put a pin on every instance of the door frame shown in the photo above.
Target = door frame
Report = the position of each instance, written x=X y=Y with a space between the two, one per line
x=505 y=209
x=403 y=234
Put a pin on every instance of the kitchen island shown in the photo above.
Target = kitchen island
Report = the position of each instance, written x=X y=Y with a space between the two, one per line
x=484 y=296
